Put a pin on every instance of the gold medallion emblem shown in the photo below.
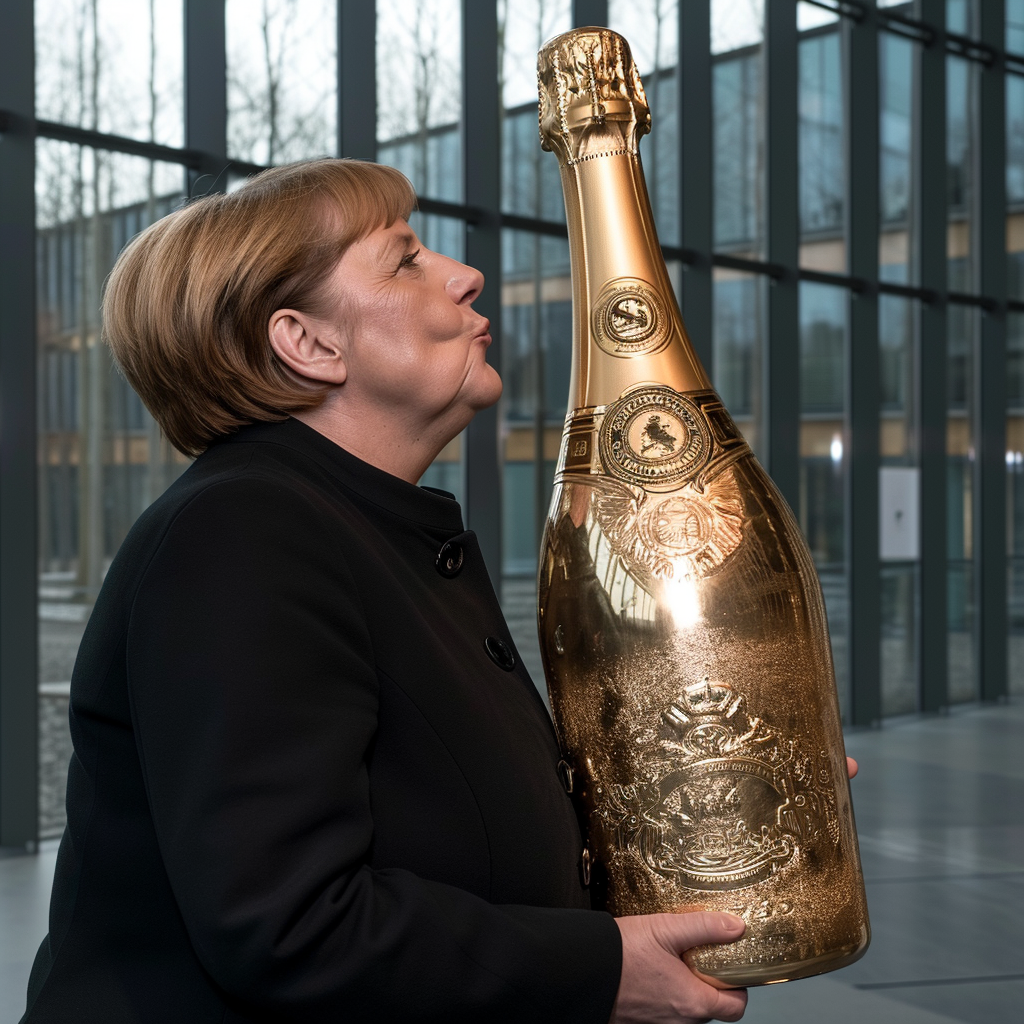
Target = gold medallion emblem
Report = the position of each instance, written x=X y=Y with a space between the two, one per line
x=629 y=318
x=655 y=438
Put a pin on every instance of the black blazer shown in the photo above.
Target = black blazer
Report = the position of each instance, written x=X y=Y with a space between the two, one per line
x=306 y=786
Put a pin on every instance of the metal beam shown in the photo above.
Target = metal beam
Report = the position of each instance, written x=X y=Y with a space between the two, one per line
x=19 y=628
x=929 y=256
x=357 y=79
x=859 y=40
x=696 y=186
x=782 y=241
x=989 y=400
x=481 y=152
x=206 y=96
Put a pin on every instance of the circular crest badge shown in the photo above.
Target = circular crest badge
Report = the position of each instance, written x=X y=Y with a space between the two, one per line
x=629 y=318
x=655 y=438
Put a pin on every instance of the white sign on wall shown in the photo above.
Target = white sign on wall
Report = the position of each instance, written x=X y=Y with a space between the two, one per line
x=898 y=503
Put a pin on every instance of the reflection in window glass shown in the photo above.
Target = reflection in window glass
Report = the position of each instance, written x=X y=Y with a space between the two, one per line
x=536 y=340
x=896 y=70
x=739 y=328
x=1015 y=26
x=530 y=183
x=899 y=569
x=419 y=105
x=652 y=29
x=102 y=459
x=447 y=236
x=958 y=16
x=523 y=28
x=282 y=79
x=1015 y=497
x=822 y=508
x=736 y=24
x=961 y=340
x=961 y=86
x=822 y=175
x=738 y=142
x=111 y=65
x=1015 y=186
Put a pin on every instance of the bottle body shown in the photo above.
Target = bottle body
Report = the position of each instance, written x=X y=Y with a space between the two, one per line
x=681 y=622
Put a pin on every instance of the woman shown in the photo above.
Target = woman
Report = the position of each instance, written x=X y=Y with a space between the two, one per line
x=312 y=780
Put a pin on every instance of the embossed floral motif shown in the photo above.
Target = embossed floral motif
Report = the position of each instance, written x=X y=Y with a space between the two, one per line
x=726 y=801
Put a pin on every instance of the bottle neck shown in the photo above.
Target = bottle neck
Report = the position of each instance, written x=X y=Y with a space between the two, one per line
x=627 y=329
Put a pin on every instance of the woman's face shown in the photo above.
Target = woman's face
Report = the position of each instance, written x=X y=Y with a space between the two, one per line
x=412 y=341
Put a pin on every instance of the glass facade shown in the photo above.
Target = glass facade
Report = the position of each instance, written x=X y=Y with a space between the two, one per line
x=101 y=456
x=281 y=79
x=111 y=81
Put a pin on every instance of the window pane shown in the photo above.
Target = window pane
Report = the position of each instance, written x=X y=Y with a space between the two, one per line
x=896 y=90
x=822 y=175
x=111 y=66
x=962 y=338
x=898 y=502
x=448 y=236
x=1015 y=26
x=652 y=29
x=282 y=79
x=102 y=459
x=961 y=88
x=536 y=339
x=739 y=350
x=822 y=509
x=1015 y=497
x=1015 y=186
x=530 y=182
x=736 y=24
x=419 y=104
x=738 y=125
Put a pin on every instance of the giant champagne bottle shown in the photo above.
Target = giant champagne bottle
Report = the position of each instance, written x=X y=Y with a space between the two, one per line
x=682 y=624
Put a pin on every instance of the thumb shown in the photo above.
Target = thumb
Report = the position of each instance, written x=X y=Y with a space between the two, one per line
x=680 y=932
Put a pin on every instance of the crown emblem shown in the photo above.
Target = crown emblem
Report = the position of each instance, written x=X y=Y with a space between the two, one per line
x=725 y=801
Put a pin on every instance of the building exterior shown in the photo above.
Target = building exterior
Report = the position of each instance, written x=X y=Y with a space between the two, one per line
x=839 y=190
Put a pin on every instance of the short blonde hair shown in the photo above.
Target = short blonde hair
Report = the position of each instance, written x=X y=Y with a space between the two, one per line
x=187 y=306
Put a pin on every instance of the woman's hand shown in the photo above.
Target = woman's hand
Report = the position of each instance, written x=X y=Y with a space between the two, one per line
x=656 y=986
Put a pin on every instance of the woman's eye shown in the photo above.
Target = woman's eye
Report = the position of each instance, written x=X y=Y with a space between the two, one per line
x=409 y=260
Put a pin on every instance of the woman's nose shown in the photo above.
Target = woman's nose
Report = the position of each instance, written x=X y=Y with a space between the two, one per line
x=465 y=283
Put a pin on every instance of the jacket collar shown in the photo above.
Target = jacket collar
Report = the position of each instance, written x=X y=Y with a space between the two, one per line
x=426 y=506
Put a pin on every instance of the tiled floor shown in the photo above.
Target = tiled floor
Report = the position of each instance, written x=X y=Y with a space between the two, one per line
x=940 y=813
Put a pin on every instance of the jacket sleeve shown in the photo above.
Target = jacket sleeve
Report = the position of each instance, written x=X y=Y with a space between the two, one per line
x=254 y=701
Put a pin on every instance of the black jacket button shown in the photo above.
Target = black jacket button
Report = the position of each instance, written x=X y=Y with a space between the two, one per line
x=500 y=653
x=585 y=866
x=449 y=559
x=565 y=774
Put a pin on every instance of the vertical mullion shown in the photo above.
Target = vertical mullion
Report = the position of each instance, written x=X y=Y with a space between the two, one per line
x=19 y=701
x=481 y=149
x=206 y=97
x=989 y=399
x=590 y=12
x=930 y=344
x=863 y=568
x=357 y=79
x=696 y=186
x=782 y=245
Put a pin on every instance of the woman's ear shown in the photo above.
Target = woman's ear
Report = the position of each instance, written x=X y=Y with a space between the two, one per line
x=307 y=347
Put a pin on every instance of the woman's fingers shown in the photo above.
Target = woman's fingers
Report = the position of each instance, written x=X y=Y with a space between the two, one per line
x=851 y=767
x=656 y=987
x=680 y=932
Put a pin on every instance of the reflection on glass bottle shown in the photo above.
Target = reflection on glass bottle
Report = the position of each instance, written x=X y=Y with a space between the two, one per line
x=681 y=621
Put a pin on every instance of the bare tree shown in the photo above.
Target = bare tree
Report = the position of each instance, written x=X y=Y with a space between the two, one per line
x=268 y=120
